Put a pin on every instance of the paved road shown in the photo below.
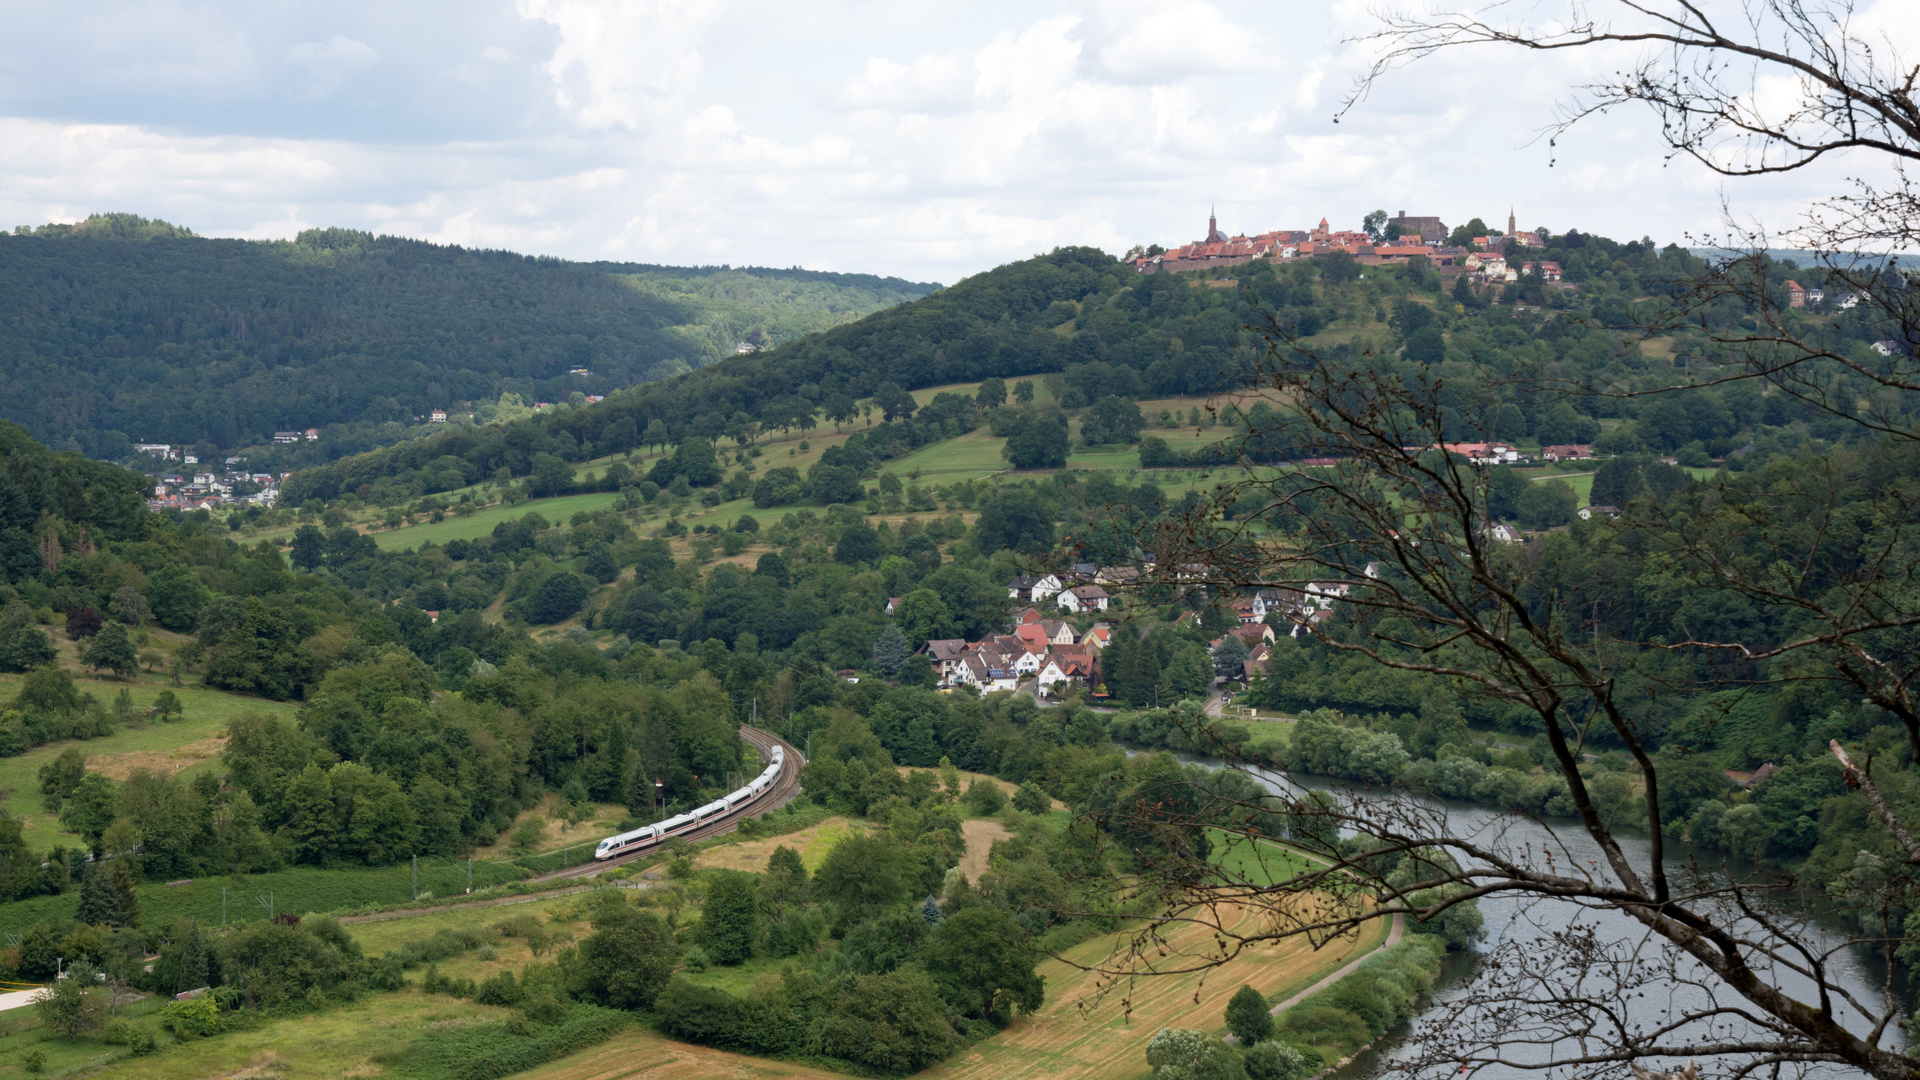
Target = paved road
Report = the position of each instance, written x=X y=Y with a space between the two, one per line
x=16 y=999
x=1393 y=938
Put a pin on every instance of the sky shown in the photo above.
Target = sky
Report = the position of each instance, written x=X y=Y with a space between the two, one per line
x=924 y=140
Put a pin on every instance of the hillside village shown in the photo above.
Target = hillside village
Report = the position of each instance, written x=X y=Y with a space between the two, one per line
x=1050 y=656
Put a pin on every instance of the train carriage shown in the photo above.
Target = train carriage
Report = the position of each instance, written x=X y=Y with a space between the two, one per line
x=649 y=835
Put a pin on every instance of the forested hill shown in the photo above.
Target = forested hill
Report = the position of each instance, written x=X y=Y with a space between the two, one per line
x=121 y=329
x=1096 y=328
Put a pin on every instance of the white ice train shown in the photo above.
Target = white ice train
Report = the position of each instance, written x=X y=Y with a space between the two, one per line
x=653 y=834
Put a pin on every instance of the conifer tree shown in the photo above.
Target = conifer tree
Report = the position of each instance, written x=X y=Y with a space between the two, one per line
x=107 y=897
x=890 y=650
x=931 y=912
x=193 y=962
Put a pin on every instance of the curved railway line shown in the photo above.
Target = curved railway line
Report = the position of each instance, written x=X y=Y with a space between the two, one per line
x=777 y=796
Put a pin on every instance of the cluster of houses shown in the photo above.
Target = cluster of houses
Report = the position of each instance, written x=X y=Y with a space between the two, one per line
x=234 y=486
x=1403 y=238
x=1047 y=651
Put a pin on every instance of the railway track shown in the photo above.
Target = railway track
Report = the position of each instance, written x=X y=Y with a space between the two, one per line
x=779 y=795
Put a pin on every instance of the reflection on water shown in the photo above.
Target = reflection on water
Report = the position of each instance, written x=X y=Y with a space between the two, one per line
x=1532 y=921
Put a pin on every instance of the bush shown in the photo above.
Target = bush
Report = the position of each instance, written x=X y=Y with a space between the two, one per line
x=502 y=989
x=1032 y=799
x=1362 y=1006
x=985 y=798
x=490 y=1051
x=1185 y=1054
x=695 y=1013
x=193 y=1018
x=1271 y=1060
x=138 y=1040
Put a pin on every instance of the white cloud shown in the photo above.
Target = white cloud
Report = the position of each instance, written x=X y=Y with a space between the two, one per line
x=331 y=62
x=931 y=140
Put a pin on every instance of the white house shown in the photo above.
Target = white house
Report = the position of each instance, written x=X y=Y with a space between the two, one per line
x=978 y=673
x=1588 y=513
x=1009 y=652
x=1084 y=598
x=1050 y=676
x=1033 y=588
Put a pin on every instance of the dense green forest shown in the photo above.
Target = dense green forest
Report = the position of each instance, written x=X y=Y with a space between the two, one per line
x=120 y=330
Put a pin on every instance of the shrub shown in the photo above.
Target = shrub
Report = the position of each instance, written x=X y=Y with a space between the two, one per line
x=696 y=1013
x=1032 y=799
x=502 y=989
x=985 y=798
x=894 y=1022
x=193 y=1018
x=1271 y=1060
x=1185 y=1054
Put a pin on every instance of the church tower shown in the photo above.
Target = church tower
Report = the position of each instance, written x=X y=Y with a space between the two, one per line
x=1510 y=229
x=1214 y=235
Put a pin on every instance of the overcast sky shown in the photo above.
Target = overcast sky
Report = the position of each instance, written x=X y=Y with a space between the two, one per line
x=927 y=140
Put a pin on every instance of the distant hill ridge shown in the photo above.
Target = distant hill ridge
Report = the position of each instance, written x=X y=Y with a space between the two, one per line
x=120 y=329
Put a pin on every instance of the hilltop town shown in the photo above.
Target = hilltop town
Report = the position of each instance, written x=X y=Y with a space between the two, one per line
x=1488 y=254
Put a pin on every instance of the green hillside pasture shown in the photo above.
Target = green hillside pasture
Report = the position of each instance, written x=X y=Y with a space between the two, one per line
x=181 y=746
x=1256 y=862
x=481 y=522
x=301 y=890
x=347 y=1040
x=386 y=935
x=1581 y=483
x=968 y=457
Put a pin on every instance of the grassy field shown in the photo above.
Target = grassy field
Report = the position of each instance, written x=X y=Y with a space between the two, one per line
x=1257 y=863
x=812 y=843
x=179 y=747
x=969 y=457
x=331 y=1045
x=1581 y=483
x=481 y=522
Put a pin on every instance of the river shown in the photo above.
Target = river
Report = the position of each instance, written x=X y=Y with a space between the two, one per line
x=1538 y=928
